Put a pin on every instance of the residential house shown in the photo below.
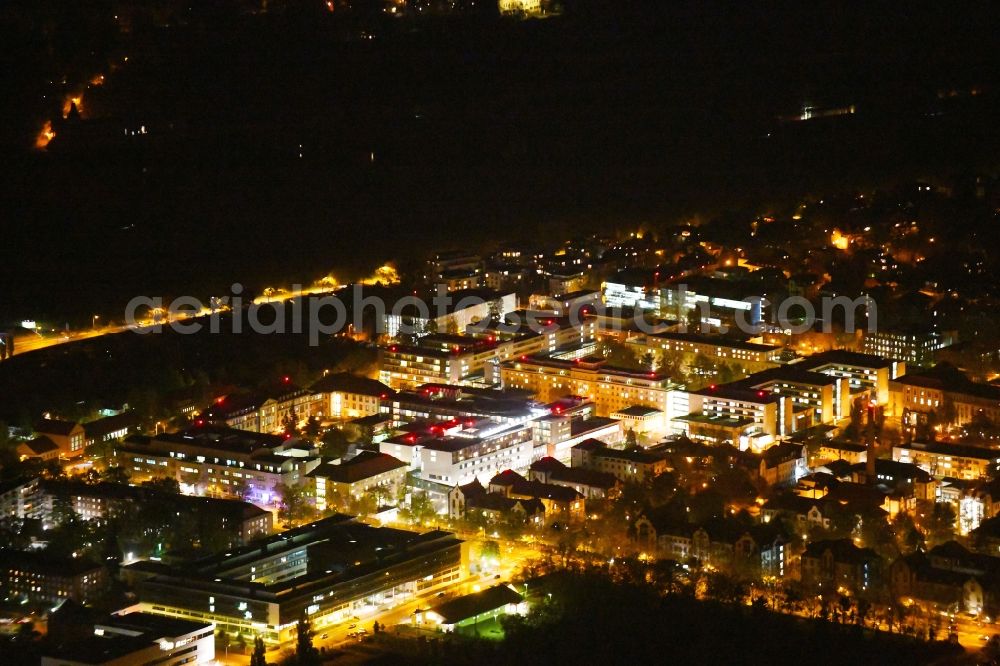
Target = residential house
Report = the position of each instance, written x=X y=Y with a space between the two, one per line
x=839 y=563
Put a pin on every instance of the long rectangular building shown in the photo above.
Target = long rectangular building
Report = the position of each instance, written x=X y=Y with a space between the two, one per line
x=611 y=389
x=331 y=570
x=219 y=462
x=863 y=371
x=952 y=460
x=752 y=356
x=470 y=359
x=457 y=452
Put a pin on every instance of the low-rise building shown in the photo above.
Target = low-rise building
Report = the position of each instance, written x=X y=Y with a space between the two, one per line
x=483 y=606
x=69 y=436
x=40 y=448
x=642 y=420
x=588 y=482
x=628 y=466
x=847 y=451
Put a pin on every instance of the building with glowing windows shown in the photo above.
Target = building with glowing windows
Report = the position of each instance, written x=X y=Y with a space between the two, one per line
x=611 y=389
x=864 y=372
x=747 y=418
x=458 y=451
x=473 y=358
x=915 y=346
x=332 y=570
x=751 y=355
x=219 y=462
x=346 y=396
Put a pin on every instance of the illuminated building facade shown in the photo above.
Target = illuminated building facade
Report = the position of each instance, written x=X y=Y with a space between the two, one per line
x=219 y=462
x=331 y=570
x=610 y=389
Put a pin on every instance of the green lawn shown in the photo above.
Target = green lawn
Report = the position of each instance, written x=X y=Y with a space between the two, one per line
x=484 y=629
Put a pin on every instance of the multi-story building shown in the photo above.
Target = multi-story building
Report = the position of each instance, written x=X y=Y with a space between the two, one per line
x=472 y=359
x=864 y=372
x=456 y=452
x=265 y=411
x=461 y=309
x=628 y=466
x=752 y=355
x=948 y=393
x=337 y=484
x=611 y=389
x=745 y=417
x=590 y=483
x=452 y=260
x=110 y=428
x=347 y=396
x=840 y=563
x=38 y=579
x=560 y=502
x=330 y=570
x=241 y=522
x=445 y=402
x=219 y=462
x=782 y=464
x=943 y=459
x=632 y=288
x=460 y=279
x=133 y=639
x=827 y=396
x=723 y=543
x=18 y=497
x=568 y=422
x=914 y=346
x=564 y=303
x=716 y=301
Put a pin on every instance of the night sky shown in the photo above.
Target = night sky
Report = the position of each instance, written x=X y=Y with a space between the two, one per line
x=415 y=132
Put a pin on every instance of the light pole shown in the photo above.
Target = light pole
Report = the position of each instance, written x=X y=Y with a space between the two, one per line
x=93 y=321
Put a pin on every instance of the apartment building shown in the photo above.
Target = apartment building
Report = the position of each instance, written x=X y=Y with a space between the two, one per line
x=219 y=462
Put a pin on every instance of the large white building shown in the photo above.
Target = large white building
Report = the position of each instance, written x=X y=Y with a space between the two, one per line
x=464 y=307
x=442 y=358
x=457 y=452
